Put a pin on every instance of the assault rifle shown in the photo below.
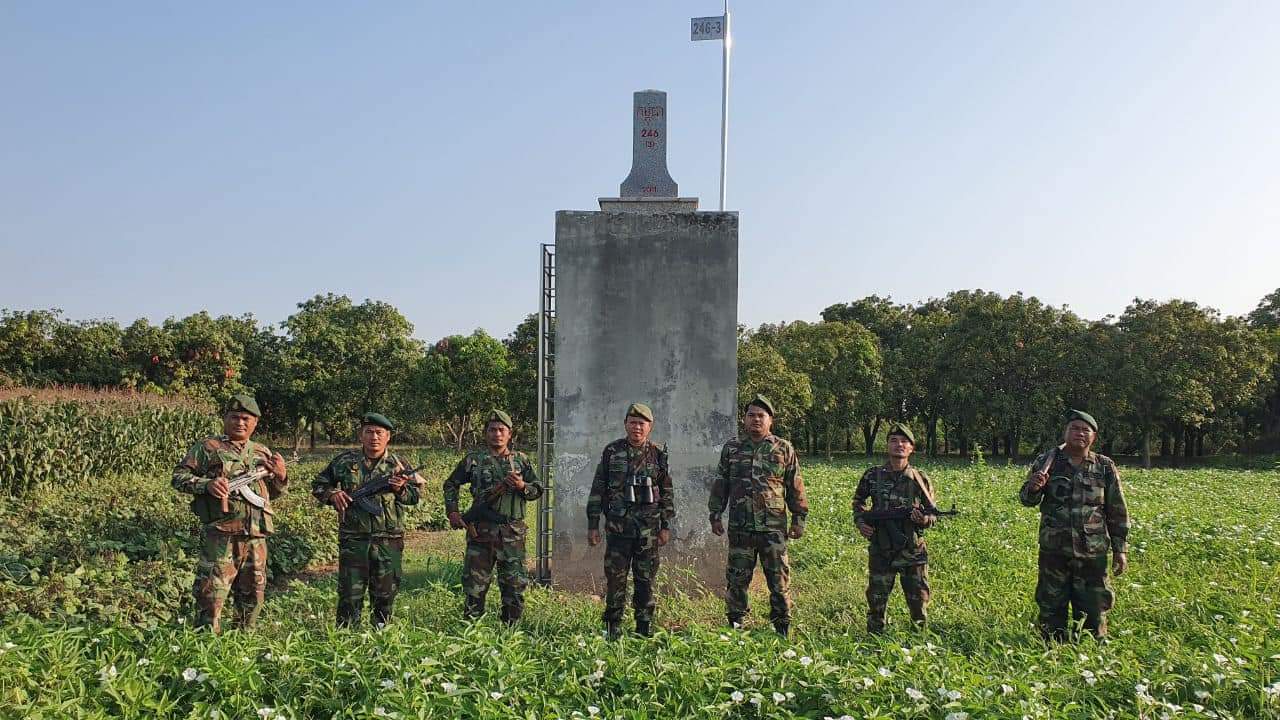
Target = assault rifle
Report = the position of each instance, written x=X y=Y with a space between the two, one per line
x=365 y=494
x=925 y=508
x=481 y=509
x=243 y=485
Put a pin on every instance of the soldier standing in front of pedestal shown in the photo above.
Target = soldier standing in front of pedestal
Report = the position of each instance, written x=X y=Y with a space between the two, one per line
x=897 y=546
x=1082 y=516
x=234 y=529
x=370 y=545
x=632 y=487
x=759 y=481
x=501 y=481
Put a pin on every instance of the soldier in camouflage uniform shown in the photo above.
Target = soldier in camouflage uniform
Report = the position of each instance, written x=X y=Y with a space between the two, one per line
x=897 y=546
x=759 y=481
x=632 y=487
x=1082 y=516
x=370 y=546
x=233 y=551
x=501 y=481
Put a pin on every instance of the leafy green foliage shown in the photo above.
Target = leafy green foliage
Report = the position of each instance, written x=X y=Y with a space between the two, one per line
x=1193 y=628
x=44 y=444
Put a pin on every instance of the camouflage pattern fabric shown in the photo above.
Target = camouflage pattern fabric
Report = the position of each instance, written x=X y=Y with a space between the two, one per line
x=230 y=564
x=881 y=573
x=491 y=544
x=1082 y=509
x=233 y=550
x=348 y=471
x=374 y=564
x=770 y=548
x=370 y=547
x=1080 y=582
x=758 y=482
x=633 y=518
x=503 y=547
x=482 y=470
x=897 y=546
x=639 y=556
x=1082 y=515
x=216 y=457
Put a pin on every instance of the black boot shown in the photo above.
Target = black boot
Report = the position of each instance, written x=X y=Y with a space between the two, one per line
x=612 y=631
x=782 y=628
x=644 y=628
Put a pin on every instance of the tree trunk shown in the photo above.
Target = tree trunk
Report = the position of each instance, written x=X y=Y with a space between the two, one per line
x=931 y=431
x=848 y=440
x=313 y=435
x=1146 y=448
x=1011 y=445
x=1189 y=442
x=1200 y=442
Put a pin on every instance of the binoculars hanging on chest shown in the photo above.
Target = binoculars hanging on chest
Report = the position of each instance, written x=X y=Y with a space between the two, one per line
x=640 y=489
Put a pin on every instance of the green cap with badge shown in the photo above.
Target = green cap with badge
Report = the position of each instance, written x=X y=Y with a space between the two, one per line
x=243 y=403
x=496 y=415
x=901 y=429
x=640 y=410
x=1083 y=417
x=761 y=402
x=377 y=419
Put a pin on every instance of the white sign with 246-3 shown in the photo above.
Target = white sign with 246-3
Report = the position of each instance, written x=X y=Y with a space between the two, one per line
x=707 y=28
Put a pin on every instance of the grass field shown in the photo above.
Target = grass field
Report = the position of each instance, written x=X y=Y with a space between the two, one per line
x=1194 y=633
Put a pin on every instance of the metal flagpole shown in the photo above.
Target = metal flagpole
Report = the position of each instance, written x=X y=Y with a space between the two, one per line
x=724 y=107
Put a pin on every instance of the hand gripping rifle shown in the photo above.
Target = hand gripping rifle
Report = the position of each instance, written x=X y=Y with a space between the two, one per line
x=243 y=485
x=365 y=494
x=482 y=510
x=903 y=513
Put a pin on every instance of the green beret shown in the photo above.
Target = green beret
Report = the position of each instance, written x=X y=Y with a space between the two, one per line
x=243 y=403
x=377 y=419
x=761 y=402
x=901 y=429
x=640 y=410
x=499 y=416
x=1083 y=416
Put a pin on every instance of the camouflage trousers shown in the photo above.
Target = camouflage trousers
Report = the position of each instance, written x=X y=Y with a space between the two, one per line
x=230 y=564
x=771 y=550
x=1081 y=583
x=639 y=556
x=501 y=546
x=881 y=574
x=373 y=565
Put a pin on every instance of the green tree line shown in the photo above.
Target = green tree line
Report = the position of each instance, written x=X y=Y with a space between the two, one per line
x=972 y=369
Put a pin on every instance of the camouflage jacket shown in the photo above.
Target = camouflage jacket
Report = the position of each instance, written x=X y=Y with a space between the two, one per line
x=1082 y=509
x=900 y=540
x=482 y=470
x=348 y=471
x=758 y=482
x=619 y=463
x=216 y=457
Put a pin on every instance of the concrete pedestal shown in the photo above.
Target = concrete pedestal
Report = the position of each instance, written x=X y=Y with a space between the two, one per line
x=646 y=311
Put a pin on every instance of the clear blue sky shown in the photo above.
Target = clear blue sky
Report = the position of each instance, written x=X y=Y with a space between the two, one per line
x=161 y=158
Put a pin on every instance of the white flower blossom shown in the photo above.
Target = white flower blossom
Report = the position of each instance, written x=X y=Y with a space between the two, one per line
x=957 y=716
x=756 y=698
x=1006 y=689
x=495 y=695
x=592 y=709
x=388 y=684
x=737 y=696
x=789 y=654
x=867 y=682
x=884 y=672
x=449 y=687
x=9 y=646
x=142 y=662
x=915 y=694
x=107 y=674
x=266 y=713
x=806 y=661
x=778 y=698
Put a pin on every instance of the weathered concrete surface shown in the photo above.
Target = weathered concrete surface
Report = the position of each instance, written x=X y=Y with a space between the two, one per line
x=646 y=311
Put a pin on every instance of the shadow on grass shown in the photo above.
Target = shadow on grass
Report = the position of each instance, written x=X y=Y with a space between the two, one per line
x=429 y=571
